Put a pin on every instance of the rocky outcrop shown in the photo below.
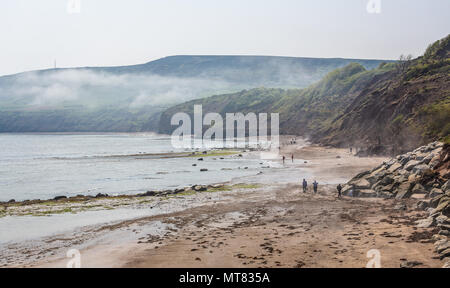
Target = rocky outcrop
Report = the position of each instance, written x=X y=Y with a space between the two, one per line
x=422 y=174
x=409 y=175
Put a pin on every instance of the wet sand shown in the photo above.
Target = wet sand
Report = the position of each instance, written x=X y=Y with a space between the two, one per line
x=273 y=225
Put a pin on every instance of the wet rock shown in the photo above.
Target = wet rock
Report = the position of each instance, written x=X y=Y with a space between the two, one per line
x=194 y=165
x=203 y=170
x=217 y=186
x=100 y=195
x=200 y=159
x=59 y=198
x=149 y=193
x=199 y=188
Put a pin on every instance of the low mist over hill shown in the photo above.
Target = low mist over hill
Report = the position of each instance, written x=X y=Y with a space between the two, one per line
x=130 y=98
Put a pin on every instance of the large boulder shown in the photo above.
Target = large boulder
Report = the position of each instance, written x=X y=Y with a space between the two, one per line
x=428 y=158
x=419 y=189
x=443 y=207
x=435 y=192
x=434 y=202
x=404 y=190
x=446 y=186
x=361 y=184
x=199 y=188
x=411 y=164
x=366 y=193
x=420 y=168
x=377 y=175
x=425 y=223
x=394 y=167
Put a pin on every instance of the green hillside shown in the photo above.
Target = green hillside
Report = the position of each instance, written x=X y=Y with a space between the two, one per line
x=302 y=111
x=387 y=110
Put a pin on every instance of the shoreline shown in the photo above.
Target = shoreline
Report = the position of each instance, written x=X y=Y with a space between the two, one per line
x=253 y=227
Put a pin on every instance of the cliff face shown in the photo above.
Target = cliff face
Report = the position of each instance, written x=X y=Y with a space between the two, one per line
x=400 y=110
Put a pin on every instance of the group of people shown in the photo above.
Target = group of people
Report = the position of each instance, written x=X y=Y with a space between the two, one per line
x=284 y=158
x=316 y=185
x=305 y=186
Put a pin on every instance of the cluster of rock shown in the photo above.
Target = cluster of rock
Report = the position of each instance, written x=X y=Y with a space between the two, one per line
x=422 y=174
x=164 y=193
x=194 y=188
x=401 y=177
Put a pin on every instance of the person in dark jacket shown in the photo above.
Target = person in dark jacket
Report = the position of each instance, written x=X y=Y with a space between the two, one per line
x=339 y=189
x=305 y=186
x=315 y=186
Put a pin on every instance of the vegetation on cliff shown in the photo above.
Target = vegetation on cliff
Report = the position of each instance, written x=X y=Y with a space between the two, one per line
x=393 y=108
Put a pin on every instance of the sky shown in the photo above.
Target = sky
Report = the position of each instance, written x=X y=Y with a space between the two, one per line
x=124 y=32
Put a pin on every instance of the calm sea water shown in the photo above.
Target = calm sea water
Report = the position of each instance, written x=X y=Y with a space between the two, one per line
x=42 y=166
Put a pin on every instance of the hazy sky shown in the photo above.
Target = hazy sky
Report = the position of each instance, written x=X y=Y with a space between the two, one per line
x=122 y=32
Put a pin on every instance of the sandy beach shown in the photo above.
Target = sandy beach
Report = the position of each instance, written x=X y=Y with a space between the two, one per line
x=258 y=225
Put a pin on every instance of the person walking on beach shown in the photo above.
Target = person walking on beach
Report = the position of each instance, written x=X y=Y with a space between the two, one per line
x=305 y=185
x=339 y=189
x=292 y=157
x=284 y=159
x=315 y=185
